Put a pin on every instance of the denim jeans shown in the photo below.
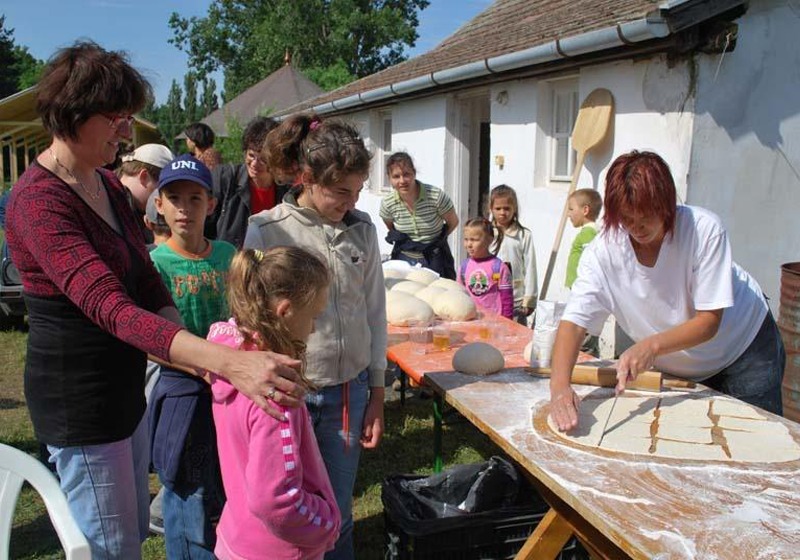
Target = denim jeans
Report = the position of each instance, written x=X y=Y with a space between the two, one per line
x=755 y=377
x=107 y=491
x=193 y=504
x=325 y=407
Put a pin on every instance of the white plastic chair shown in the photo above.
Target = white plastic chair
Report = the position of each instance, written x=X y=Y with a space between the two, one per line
x=17 y=467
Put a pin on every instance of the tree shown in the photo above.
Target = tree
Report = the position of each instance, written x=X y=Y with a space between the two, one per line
x=18 y=69
x=338 y=40
x=190 y=107
x=29 y=69
x=209 y=100
x=171 y=120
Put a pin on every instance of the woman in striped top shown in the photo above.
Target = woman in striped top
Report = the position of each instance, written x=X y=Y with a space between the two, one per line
x=419 y=218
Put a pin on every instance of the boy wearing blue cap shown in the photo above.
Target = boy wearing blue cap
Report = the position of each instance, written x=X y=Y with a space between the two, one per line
x=184 y=442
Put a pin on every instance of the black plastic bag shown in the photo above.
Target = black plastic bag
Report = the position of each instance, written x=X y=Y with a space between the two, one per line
x=457 y=497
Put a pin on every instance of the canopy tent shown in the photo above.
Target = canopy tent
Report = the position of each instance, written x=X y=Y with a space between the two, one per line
x=22 y=135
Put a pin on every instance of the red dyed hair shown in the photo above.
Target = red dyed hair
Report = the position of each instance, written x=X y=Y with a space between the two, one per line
x=640 y=182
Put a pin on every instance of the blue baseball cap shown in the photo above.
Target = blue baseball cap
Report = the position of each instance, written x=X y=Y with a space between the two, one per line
x=185 y=168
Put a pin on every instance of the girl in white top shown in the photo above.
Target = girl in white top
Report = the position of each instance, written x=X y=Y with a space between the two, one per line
x=515 y=247
x=666 y=274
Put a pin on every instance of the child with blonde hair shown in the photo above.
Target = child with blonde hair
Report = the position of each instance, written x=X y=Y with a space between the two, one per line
x=514 y=246
x=485 y=276
x=347 y=354
x=280 y=499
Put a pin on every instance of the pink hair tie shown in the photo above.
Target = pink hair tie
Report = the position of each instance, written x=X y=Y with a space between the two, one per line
x=315 y=122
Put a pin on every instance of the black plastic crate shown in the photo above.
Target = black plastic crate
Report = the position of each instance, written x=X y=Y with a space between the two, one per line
x=496 y=534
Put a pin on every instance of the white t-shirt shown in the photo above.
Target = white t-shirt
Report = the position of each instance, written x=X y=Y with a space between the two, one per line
x=694 y=271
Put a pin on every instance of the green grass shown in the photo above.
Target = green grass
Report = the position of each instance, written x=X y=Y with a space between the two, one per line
x=407 y=447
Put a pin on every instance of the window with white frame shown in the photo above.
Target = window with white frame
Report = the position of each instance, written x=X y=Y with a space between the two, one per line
x=386 y=148
x=564 y=112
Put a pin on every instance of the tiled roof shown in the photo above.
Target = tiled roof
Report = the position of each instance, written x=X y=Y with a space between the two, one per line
x=283 y=88
x=507 y=26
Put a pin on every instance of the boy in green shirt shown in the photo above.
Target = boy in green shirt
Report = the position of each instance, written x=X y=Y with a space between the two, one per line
x=194 y=269
x=583 y=208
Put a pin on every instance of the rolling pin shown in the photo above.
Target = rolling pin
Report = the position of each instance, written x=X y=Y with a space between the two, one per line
x=584 y=374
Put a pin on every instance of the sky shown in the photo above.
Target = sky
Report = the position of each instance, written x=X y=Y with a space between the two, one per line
x=141 y=28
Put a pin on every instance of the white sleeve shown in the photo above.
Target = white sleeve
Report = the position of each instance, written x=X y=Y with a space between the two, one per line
x=590 y=301
x=529 y=256
x=712 y=274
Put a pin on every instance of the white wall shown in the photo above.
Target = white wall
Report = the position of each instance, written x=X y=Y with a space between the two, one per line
x=418 y=127
x=648 y=98
x=746 y=156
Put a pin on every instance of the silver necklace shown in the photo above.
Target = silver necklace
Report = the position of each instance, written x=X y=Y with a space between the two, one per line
x=93 y=195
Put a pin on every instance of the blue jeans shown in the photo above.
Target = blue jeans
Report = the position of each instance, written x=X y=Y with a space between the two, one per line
x=325 y=407
x=193 y=504
x=107 y=491
x=755 y=377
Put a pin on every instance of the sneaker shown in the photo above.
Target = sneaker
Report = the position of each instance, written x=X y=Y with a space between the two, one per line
x=156 y=525
x=156 y=519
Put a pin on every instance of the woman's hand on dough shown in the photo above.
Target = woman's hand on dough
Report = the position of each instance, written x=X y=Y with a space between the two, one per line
x=636 y=359
x=564 y=403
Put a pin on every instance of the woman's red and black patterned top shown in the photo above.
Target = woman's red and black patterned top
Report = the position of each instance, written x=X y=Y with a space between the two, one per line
x=62 y=247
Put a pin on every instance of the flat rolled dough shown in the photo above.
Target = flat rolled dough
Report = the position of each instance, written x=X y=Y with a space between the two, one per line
x=684 y=430
x=727 y=407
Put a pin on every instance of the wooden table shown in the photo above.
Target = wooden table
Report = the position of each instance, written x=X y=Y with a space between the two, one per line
x=630 y=506
x=506 y=335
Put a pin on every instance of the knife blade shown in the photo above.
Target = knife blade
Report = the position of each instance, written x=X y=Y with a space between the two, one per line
x=608 y=419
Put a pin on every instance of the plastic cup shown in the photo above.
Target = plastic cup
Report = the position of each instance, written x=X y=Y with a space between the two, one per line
x=418 y=334
x=441 y=336
x=484 y=330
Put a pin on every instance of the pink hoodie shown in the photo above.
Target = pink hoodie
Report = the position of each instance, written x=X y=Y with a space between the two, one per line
x=280 y=503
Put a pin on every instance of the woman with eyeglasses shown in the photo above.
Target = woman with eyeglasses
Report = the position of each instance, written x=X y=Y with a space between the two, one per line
x=244 y=189
x=666 y=273
x=97 y=307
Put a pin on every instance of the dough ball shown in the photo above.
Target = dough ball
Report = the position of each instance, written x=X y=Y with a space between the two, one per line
x=389 y=283
x=478 y=358
x=402 y=308
x=395 y=273
x=408 y=286
x=429 y=294
x=422 y=275
x=455 y=305
x=447 y=284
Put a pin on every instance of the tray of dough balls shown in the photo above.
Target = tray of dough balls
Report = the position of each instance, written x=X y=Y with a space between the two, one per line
x=417 y=295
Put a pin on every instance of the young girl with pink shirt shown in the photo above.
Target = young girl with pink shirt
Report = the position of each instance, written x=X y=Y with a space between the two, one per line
x=280 y=503
x=486 y=277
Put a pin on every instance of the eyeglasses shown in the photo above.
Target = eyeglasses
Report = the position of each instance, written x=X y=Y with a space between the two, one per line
x=115 y=121
x=252 y=157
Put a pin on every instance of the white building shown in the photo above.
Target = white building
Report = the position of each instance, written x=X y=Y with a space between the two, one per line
x=711 y=85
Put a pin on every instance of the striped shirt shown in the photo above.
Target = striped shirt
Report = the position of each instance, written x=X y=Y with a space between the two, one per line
x=424 y=223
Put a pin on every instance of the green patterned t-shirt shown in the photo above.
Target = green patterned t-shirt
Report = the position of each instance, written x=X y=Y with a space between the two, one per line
x=197 y=284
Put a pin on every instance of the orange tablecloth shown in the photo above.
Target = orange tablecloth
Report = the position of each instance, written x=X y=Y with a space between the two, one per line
x=508 y=336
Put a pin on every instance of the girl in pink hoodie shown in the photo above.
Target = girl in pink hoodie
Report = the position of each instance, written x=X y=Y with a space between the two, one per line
x=280 y=503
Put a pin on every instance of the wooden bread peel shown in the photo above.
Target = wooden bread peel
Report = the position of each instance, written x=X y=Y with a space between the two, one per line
x=600 y=376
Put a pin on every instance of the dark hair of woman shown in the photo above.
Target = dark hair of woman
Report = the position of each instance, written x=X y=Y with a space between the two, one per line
x=201 y=134
x=85 y=80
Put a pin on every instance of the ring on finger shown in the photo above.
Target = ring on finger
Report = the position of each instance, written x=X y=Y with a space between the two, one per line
x=271 y=394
